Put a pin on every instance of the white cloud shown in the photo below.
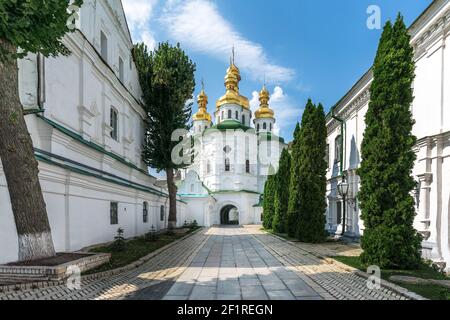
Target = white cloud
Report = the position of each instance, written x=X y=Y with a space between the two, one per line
x=286 y=111
x=138 y=13
x=199 y=25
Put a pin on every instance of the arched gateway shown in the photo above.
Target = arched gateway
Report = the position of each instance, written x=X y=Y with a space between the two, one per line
x=229 y=215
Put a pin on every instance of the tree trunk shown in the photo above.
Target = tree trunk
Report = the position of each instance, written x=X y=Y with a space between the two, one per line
x=21 y=168
x=172 y=199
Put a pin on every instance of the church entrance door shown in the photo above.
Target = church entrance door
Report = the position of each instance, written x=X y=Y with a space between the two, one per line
x=229 y=215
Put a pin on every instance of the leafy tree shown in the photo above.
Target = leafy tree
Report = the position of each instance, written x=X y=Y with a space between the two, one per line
x=31 y=26
x=268 y=201
x=283 y=177
x=167 y=80
x=387 y=207
x=311 y=171
x=294 y=195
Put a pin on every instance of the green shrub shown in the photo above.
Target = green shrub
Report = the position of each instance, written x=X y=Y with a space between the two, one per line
x=119 y=243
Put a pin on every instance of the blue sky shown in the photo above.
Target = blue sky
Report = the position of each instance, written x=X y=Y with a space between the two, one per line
x=304 y=48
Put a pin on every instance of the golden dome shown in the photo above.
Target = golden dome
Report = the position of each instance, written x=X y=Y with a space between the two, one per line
x=232 y=95
x=264 y=111
x=202 y=113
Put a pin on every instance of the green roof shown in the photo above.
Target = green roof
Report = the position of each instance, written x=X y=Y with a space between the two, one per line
x=230 y=124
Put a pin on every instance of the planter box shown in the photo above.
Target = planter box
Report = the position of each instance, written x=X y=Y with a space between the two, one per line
x=18 y=274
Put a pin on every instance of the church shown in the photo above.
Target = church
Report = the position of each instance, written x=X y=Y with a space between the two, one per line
x=233 y=157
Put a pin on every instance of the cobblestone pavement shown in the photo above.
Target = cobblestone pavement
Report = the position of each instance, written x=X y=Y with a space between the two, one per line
x=246 y=263
x=165 y=266
x=225 y=263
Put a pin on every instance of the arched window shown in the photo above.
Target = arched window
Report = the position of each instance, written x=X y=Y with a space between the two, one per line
x=223 y=115
x=229 y=114
x=243 y=119
x=227 y=164
x=236 y=115
x=257 y=127
x=270 y=126
x=145 y=212
x=208 y=166
x=264 y=126
x=337 y=149
x=247 y=166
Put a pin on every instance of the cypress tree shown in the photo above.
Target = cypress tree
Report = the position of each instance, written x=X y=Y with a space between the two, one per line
x=312 y=183
x=294 y=197
x=268 y=201
x=387 y=207
x=281 y=194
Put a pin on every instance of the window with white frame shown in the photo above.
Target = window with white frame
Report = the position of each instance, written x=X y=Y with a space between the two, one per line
x=114 y=213
x=103 y=46
x=337 y=149
x=121 y=71
x=114 y=123
x=161 y=213
x=145 y=212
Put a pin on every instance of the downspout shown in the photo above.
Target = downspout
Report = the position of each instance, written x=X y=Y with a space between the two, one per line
x=343 y=129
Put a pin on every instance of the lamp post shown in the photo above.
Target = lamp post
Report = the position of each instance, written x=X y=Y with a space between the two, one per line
x=343 y=191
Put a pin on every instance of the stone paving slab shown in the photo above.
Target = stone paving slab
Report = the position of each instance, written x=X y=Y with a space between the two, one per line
x=224 y=263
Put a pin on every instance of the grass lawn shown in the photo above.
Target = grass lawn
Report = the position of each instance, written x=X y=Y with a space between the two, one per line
x=135 y=249
x=283 y=235
x=433 y=292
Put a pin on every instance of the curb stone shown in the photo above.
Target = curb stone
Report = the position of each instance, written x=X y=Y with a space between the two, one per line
x=95 y=276
x=386 y=284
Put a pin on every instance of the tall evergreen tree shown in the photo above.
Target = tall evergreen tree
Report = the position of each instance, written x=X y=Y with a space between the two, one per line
x=32 y=26
x=268 y=201
x=283 y=177
x=389 y=239
x=294 y=196
x=167 y=80
x=312 y=170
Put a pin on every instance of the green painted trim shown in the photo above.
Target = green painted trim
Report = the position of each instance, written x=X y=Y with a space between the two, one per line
x=33 y=111
x=233 y=191
x=86 y=173
x=91 y=145
x=49 y=155
x=193 y=195
x=230 y=124
x=270 y=136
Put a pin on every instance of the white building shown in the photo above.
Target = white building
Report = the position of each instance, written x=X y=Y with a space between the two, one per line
x=86 y=122
x=226 y=179
x=431 y=111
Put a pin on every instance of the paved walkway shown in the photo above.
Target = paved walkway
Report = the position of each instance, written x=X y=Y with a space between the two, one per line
x=226 y=263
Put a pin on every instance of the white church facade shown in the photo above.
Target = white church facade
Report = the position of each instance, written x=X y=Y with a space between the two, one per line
x=85 y=118
x=234 y=156
x=431 y=111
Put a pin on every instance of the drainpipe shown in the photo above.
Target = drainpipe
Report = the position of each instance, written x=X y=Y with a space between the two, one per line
x=343 y=129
